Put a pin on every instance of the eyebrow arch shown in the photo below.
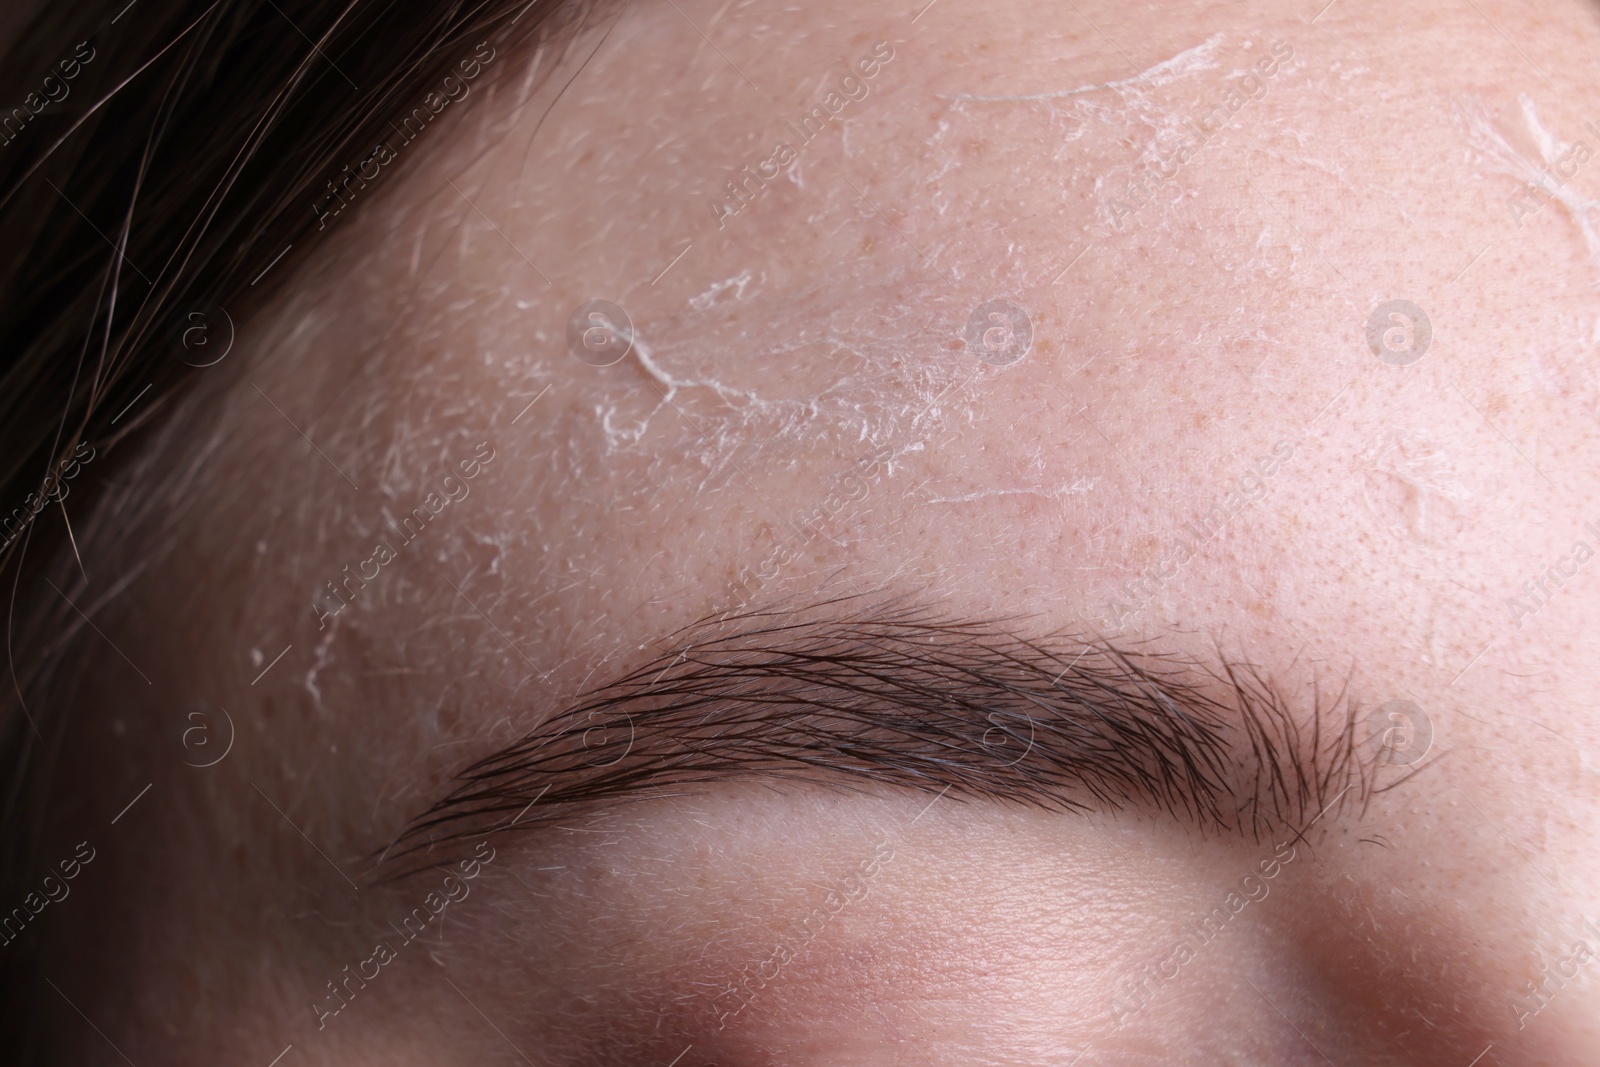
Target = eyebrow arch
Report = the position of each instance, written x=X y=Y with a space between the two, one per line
x=898 y=693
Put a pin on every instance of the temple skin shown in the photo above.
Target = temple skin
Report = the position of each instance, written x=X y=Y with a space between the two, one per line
x=1200 y=247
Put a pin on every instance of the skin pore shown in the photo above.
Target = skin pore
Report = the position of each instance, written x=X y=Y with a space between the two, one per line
x=801 y=402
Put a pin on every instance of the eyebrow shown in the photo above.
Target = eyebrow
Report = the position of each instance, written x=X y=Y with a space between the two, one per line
x=854 y=693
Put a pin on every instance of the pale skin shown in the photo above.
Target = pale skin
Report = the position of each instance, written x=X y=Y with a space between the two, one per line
x=1176 y=342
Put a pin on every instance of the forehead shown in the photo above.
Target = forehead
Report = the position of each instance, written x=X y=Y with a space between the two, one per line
x=1099 y=316
x=1009 y=304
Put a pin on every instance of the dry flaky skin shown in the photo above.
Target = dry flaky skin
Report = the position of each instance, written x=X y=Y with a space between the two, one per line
x=799 y=405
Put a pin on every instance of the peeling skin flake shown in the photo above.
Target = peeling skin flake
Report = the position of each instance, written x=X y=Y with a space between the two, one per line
x=1185 y=64
x=1075 y=488
x=862 y=374
x=1538 y=174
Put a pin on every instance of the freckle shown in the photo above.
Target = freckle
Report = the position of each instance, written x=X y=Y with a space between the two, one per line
x=955 y=344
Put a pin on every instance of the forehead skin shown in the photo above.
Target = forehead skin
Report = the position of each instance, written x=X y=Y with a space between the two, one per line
x=1182 y=337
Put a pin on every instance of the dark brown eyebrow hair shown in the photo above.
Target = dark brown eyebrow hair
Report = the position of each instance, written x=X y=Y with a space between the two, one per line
x=852 y=692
